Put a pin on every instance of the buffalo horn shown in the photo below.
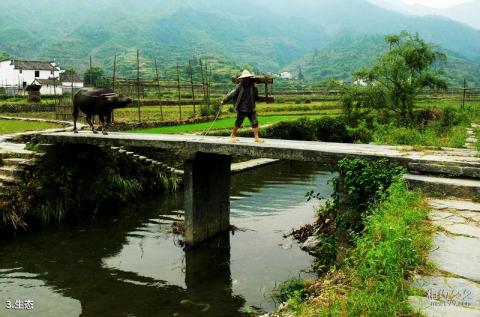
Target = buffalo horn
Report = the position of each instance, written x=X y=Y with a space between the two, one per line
x=110 y=96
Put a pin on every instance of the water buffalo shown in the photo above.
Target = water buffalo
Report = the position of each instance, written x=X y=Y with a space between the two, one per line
x=97 y=101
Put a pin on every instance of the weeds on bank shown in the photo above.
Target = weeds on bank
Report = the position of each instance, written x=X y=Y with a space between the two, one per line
x=372 y=280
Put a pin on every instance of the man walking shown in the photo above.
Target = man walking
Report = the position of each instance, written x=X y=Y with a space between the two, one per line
x=245 y=96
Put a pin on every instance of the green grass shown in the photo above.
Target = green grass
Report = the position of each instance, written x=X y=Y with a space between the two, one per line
x=444 y=103
x=171 y=113
x=14 y=126
x=454 y=137
x=33 y=115
x=372 y=281
x=25 y=101
x=219 y=124
x=395 y=241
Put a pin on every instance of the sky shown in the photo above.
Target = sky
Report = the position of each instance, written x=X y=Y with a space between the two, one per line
x=441 y=4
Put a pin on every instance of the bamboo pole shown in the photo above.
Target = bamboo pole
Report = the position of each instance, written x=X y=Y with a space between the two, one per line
x=72 y=95
x=114 y=71
x=138 y=85
x=179 y=93
x=464 y=93
x=203 y=82
x=113 y=80
x=159 y=90
x=209 y=78
x=90 y=71
x=191 y=82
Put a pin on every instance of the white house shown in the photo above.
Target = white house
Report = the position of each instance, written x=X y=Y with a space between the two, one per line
x=20 y=74
x=71 y=83
x=360 y=82
x=286 y=75
x=49 y=86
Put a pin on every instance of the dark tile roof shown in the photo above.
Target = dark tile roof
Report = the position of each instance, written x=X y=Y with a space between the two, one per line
x=69 y=78
x=48 y=82
x=33 y=65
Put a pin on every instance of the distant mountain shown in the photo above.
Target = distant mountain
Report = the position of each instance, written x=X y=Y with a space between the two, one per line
x=267 y=34
x=346 y=55
x=346 y=16
x=173 y=33
x=467 y=13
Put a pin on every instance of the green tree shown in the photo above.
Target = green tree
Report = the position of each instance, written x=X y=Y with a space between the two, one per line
x=301 y=77
x=3 y=55
x=403 y=71
x=70 y=71
x=93 y=76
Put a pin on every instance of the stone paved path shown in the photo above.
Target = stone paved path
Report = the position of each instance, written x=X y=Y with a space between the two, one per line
x=455 y=290
x=472 y=138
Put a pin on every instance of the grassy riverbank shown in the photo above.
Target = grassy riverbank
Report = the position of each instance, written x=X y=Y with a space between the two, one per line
x=14 y=126
x=373 y=278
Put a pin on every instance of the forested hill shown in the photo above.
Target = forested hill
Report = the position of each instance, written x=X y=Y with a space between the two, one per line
x=349 y=53
x=269 y=34
x=466 y=12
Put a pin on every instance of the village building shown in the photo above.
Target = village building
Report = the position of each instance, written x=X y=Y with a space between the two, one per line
x=17 y=75
x=286 y=75
x=70 y=82
x=50 y=86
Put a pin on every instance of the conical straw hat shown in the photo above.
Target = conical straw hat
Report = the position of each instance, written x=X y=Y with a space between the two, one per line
x=246 y=74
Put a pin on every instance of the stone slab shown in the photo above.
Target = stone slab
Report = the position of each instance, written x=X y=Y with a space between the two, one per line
x=464 y=188
x=241 y=167
x=457 y=254
x=455 y=204
x=325 y=152
x=456 y=222
x=455 y=291
x=428 y=308
x=444 y=169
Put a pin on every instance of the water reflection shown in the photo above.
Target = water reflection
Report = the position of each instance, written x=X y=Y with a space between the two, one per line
x=132 y=265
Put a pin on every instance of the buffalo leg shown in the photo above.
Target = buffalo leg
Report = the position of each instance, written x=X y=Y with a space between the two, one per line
x=75 y=118
x=89 y=121
x=103 y=120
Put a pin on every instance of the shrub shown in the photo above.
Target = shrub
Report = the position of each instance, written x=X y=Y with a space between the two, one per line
x=423 y=116
x=389 y=134
x=359 y=186
x=300 y=129
x=291 y=288
x=205 y=110
x=326 y=252
x=450 y=118
x=394 y=242
x=330 y=129
x=81 y=185
x=361 y=133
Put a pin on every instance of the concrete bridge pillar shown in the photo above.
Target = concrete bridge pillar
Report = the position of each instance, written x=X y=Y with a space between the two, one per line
x=207 y=196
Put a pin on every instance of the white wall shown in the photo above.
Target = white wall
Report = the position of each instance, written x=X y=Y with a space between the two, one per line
x=286 y=75
x=66 y=84
x=9 y=76
x=51 y=90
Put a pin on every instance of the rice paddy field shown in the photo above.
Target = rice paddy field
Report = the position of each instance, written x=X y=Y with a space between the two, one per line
x=224 y=123
x=17 y=126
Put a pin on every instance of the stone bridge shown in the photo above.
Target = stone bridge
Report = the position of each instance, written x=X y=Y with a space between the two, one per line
x=208 y=161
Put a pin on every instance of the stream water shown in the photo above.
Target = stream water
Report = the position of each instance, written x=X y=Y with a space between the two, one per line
x=132 y=265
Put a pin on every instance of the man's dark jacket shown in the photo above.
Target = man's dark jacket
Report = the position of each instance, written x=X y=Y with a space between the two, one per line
x=237 y=93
